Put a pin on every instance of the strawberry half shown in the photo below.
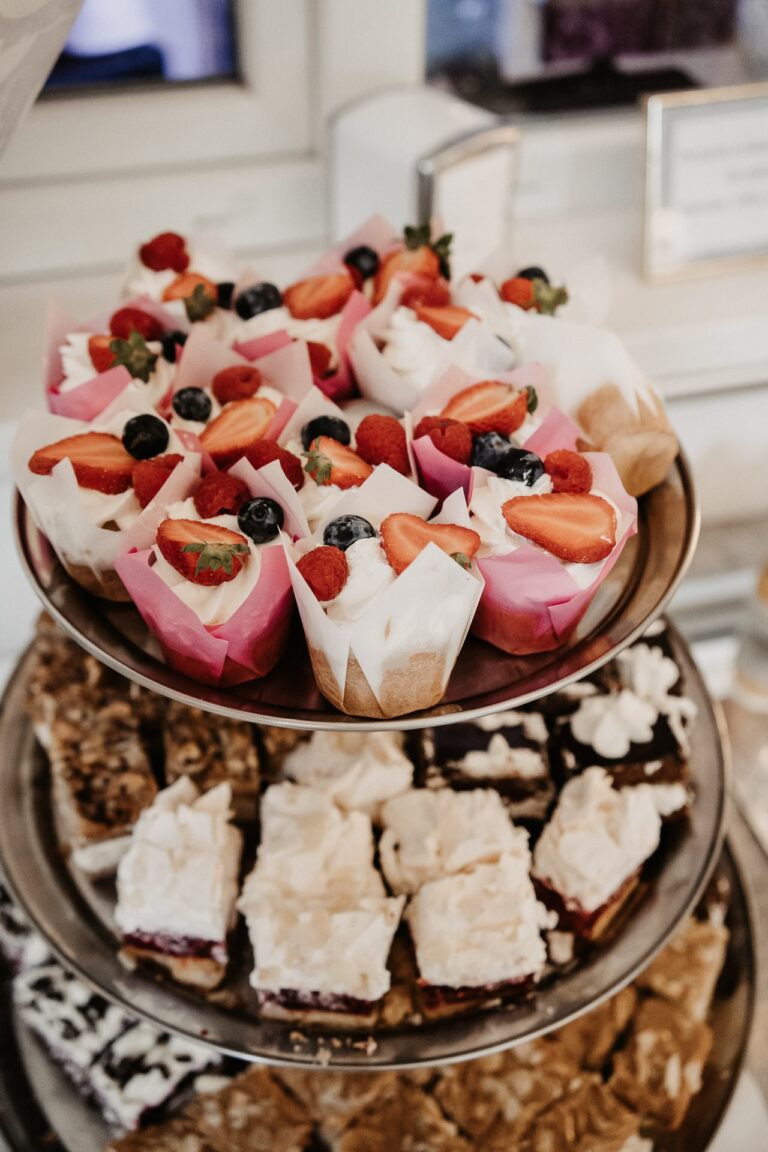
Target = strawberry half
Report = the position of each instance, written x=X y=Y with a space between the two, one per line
x=238 y=382
x=265 y=451
x=100 y=461
x=184 y=286
x=490 y=406
x=572 y=526
x=203 y=553
x=432 y=293
x=101 y=353
x=570 y=471
x=319 y=358
x=421 y=261
x=319 y=297
x=329 y=462
x=325 y=569
x=238 y=426
x=446 y=321
x=381 y=440
x=533 y=294
x=404 y=536
x=148 y=476
x=128 y=320
x=166 y=250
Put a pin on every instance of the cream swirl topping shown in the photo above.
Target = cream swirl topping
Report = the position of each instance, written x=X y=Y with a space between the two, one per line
x=370 y=574
x=612 y=723
x=358 y=770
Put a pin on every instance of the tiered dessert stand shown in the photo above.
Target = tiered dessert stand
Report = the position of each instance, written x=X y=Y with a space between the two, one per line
x=75 y=916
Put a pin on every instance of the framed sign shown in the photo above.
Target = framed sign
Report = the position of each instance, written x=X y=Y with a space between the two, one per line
x=706 y=204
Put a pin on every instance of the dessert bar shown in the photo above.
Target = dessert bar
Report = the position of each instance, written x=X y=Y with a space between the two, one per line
x=338 y=1098
x=20 y=945
x=210 y=751
x=252 y=1114
x=686 y=972
x=590 y=1038
x=360 y=771
x=404 y=1121
x=589 y=1119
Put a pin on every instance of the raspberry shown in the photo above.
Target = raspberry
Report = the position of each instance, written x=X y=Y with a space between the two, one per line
x=570 y=471
x=319 y=358
x=325 y=570
x=453 y=438
x=166 y=250
x=238 y=382
x=265 y=451
x=432 y=293
x=381 y=440
x=128 y=320
x=220 y=494
x=148 y=476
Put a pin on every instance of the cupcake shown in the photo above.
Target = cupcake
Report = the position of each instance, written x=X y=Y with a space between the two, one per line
x=96 y=490
x=551 y=531
x=213 y=585
x=386 y=595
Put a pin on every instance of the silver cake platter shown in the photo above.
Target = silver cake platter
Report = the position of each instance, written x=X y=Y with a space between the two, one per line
x=76 y=917
x=484 y=679
x=39 y=1109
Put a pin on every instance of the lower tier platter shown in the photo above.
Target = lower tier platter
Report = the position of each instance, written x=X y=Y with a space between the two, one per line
x=76 y=917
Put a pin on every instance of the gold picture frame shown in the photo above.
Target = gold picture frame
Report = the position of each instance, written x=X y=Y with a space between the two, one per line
x=659 y=111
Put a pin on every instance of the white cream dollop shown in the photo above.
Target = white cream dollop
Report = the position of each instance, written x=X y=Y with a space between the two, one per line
x=487 y=517
x=179 y=876
x=358 y=770
x=78 y=369
x=596 y=839
x=610 y=724
x=413 y=349
x=370 y=574
x=650 y=674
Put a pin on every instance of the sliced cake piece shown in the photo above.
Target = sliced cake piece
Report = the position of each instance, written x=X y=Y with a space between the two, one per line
x=660 y=1068
x=587 y=861
x=358 y=770
x=590 y=1039
x=428 y=835
x=506 y=751
x=212 y=750
x=252 y=1114
x=336 y=1099
x=588 y=1119
x=74 y=1023
x=142 y=1071
x=406 y=1121
x=477 y=934
x=177 y=884
x=20 y=945
x=686 y=972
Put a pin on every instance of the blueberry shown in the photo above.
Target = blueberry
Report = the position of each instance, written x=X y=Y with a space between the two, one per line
x=169 y=342
x=261 y=519
x=488 y=449
x=192 y=404
x=224 y=293
x=364 y=260
x=258 y=298
x=325 y=426
x=345 y=530
x=145 y=436
x=533 y=273
x=517 y=464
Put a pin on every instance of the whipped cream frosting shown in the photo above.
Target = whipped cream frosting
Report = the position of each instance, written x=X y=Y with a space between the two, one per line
x=179 y=876
x=488 y=521
x=650 y=674
x=430 y=834
x=500 y=758
x=143 y=281
x=597 y=838
x=413 y=349
x=216 y=603
x=78 y=368
x=370 y=574
x=313 y=330
x=357 y=770
x=669 y=798
x=612 y=723
x=480 y=927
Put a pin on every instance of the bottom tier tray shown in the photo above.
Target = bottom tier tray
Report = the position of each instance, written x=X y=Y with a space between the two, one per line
x=75 y=916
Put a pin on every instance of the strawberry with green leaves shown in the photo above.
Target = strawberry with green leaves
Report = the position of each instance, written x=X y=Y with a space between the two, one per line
x=135 y=355
x=420 y=256
x=329 y=462
x=203 y=553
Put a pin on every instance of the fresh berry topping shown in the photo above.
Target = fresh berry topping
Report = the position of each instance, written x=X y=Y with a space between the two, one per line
x=167 y=250
x=100 y=352
x=192 y=404
x=574 y=527
x=329 y=462
x=203 y=553
x=533 y=272
x=490 y=406
x=220 y=494
x=134 y=355
x=100 y=461
x=148 y=476
x=238 y=426
x=431 y=293
x=452 y=437
x=570 y=471
x=446 y=321
x=533 y=294
x=325 y=571
x=325 y=426
x=319 y=297
x=225 y=290
x=404 y=536
x=488 y=449
x=265 y=451
x=477 y=277
x=128 y=320
x=363 y=260
x=261 y=519
x=517 y=464
x=421 y=262
x=320 y=358
x=346 y=530
x=238 y=382
x=145 y=436
x=197 y=292
x=416 y=238
x=381 y=440
x=262 y=297
x=172 y=341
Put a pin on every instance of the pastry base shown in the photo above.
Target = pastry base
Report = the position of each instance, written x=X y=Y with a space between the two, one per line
x=417 y=685
x=195 y=971
x=107 y=584
x=589 y=926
